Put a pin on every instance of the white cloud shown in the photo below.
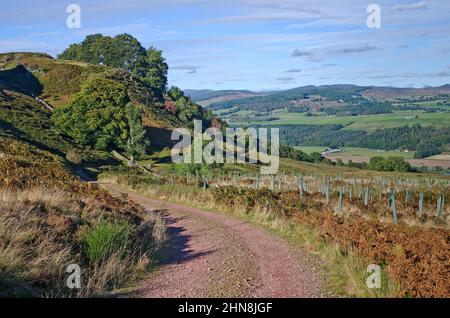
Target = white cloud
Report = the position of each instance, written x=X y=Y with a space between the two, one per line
x=294 y=70
x=411 y=6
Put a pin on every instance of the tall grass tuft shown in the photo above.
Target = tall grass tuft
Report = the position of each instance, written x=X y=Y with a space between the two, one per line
x=106 y=238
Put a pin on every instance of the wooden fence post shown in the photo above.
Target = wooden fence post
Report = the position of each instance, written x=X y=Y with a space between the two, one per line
x=421 y=205
x=340 y=205
x=394 y=208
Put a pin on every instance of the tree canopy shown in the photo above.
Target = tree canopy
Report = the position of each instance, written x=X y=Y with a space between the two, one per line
x=398 y=164
x=96 y=116
x=126 y=52
x=187 y=110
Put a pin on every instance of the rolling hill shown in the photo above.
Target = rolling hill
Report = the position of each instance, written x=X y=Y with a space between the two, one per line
x=207 y=97
x=328 y=96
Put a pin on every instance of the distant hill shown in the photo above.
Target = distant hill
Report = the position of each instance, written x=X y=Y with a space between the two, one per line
x=206 y=97
x=395 y=92
x=203 y=94
x=288 y=98
x=342 y=99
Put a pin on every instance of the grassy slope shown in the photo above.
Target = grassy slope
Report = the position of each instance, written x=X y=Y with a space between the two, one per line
x=55 y=81
x=46 y=213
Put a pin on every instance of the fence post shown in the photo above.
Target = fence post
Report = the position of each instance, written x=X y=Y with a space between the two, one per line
x=300 y=186
x=341 y=194
x=257 y=183
x=438 y=208
x=280 y=183
x=394 y=208
x=272 y=183
x=327 y=193
x=421 y=205
x=366 y=197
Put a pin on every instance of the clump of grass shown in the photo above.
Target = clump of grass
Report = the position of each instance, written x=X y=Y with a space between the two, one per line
x=106 y=238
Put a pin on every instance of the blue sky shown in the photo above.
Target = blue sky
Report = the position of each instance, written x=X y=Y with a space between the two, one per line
x=255 y=44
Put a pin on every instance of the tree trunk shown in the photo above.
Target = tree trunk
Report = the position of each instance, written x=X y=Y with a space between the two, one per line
x=132 y=161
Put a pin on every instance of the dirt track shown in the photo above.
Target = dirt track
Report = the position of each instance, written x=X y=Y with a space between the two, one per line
x=215 y=255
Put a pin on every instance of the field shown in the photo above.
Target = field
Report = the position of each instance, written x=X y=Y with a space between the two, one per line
x=311 y=149
x=440 y=157
x=362 y=122
x=360 y=152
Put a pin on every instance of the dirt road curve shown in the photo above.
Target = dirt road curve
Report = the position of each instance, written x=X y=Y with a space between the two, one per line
x=215 y=255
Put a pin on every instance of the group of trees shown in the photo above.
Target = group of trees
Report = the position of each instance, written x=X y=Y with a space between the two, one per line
x=107 y=112
x=398 y=164
x=296 y=154
x=355 y=106
x=426 y=141
x=318 y=135
x=102 y=117
x=187 y=110
x=125 y=52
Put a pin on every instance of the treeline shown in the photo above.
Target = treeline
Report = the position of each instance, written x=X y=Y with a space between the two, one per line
x=425 y=141
x=397 y=164
x=318 y=135
x=359 y=106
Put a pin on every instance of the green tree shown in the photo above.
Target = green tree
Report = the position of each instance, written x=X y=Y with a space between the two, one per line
x=377 y=163
x=398 y=164
x=156 y=71
x=175 y=93
x=96 y=116
x=125 y=52
x=136 y=143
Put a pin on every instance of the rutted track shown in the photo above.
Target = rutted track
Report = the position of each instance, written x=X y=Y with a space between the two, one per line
x=215 y=255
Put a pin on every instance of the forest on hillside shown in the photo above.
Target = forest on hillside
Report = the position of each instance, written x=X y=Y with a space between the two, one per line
x=425 y=141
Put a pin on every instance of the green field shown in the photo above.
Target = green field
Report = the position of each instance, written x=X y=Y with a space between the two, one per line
x=364 y=122
x=366 y=152
x=355 y=151
x=311 y=149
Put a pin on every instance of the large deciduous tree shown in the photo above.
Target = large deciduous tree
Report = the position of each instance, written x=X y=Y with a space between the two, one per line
x=96 y=116
x=125 y=52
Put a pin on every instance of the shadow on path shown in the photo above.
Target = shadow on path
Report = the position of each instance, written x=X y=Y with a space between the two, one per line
x=176 y=250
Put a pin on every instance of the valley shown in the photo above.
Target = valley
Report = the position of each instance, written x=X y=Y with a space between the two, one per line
x=352 y=116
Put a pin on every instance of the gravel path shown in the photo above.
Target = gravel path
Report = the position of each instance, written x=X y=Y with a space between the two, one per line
x=215 y=255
